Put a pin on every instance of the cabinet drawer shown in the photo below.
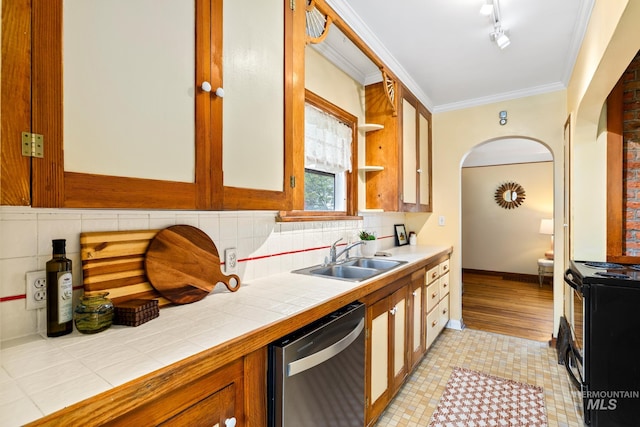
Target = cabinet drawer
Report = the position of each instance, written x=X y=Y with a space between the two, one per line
x=444 y=285
x=443 y=310
x=433 y=295
x=433 y=274
x=433 y=320
x=444 y=267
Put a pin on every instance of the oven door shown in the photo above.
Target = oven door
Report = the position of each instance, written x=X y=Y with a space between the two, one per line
x=574 y=362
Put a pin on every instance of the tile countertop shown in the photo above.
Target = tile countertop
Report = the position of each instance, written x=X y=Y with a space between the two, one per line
x=41 y=375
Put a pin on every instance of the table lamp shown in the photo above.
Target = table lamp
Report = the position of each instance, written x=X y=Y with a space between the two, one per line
x=546 y=227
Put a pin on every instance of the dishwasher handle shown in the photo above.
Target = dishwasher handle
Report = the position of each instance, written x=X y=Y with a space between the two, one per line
x=325 y=354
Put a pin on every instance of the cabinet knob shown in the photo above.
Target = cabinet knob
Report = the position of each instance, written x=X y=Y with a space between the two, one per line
x=230 y=422
x=415 y=293
x=433 y=295
x=435 y=322
x=419 y=171
x=393 y=311
x=206 y=87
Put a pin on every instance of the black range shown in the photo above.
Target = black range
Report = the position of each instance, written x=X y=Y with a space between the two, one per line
x=603 y=360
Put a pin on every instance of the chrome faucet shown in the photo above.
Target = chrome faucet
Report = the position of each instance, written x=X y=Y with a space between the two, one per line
x=334 y=254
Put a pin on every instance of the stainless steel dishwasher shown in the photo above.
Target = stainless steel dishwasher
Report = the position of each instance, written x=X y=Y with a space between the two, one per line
x=316 y=374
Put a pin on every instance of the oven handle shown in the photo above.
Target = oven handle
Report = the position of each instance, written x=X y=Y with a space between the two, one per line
x=325 y=354
x=569 y=356
x=569 y=279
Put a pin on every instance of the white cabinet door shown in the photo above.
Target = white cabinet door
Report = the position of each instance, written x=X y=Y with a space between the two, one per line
x=253 y=111
x=409 y=153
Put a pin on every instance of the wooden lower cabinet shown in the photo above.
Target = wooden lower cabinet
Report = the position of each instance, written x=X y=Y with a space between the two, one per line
x=213 y=399
x=233 y=395
x=389 y=319
x=403 y=319
x=437 y=301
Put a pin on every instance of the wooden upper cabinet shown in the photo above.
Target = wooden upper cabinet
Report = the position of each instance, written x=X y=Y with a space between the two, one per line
x=403 y=148
x=117 y=98
x=415 y=195
x=116 y=90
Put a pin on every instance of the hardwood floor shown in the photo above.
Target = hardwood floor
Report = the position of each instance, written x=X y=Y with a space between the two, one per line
x=493 y=303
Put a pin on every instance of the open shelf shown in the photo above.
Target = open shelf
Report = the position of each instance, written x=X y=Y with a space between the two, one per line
x=372 y=168
x=369 y=127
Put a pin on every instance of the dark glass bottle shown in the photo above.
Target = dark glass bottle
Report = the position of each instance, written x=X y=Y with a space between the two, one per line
x=59 y=292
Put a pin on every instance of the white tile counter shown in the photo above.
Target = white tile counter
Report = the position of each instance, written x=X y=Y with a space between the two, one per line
x=41 y=375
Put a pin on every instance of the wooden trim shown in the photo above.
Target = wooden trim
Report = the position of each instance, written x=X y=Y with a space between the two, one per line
x=301 y=216
x=15 y=106
x=615 y=172
x=255 y=388
x=519 y=277
x=46 y=102
x=322 y=6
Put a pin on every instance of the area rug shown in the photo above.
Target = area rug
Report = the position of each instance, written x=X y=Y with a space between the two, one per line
x=474 y=399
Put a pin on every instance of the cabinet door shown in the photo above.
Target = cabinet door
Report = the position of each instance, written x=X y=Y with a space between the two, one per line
x=409 y=152
x=417 y=318
x=259 y=111
x=215 y=410
x=119 y=103
x=416 y=155
x=377 y=382
x=398 y=336
x=424 y=160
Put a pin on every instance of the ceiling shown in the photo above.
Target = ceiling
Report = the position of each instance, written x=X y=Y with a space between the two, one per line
x=441 y=50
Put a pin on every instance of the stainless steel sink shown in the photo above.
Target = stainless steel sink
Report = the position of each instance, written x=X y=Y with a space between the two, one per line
x=379 y=264
x=353 y=269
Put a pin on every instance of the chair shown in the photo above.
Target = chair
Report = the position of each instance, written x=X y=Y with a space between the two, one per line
x=545 y=268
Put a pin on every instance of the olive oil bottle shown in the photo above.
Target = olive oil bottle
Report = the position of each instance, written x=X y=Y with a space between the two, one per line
x=59 y=292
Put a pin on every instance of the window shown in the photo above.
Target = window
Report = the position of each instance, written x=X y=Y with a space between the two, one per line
x=327 y=158
x=328 y=150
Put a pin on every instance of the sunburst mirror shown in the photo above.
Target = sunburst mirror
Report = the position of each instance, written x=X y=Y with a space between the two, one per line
x=510 y=195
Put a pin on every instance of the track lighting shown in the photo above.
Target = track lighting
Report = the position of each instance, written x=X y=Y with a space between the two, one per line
x=492 y=8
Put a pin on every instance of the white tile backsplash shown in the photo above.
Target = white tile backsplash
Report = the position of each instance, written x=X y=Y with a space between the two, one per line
x=264 y=246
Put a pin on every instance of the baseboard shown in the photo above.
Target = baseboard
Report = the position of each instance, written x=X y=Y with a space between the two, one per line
x=517 y=277
x=458 y=325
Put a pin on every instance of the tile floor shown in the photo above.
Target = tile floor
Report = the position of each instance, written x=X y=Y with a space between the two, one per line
x=518 y=359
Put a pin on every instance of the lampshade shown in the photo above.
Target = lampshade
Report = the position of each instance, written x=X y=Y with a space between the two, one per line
x=546 y=226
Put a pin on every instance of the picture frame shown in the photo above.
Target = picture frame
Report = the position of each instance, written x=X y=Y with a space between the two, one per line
x=401 y=235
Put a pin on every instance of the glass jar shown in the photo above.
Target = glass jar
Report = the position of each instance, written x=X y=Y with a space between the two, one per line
x=94 y=313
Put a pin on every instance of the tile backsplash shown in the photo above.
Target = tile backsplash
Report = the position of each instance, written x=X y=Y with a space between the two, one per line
x=264 y=246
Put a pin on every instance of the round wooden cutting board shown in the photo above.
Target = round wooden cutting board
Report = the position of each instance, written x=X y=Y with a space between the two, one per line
x=183 y=265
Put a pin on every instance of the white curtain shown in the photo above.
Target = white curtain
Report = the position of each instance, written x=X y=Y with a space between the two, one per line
x=327 y=145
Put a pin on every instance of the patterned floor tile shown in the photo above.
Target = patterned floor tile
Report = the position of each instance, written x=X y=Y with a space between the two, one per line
x=517 y=359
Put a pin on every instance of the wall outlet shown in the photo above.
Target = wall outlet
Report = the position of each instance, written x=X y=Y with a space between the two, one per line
x=36 y=289
x=230 y=260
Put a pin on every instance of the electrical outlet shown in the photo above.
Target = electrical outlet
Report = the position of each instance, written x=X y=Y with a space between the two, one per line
x=230 y=260
x=36 y=289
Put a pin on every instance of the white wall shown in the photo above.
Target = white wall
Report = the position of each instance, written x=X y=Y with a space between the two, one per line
x=505 y=240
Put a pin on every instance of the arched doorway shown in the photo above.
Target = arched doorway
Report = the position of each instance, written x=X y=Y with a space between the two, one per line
x=502 y=242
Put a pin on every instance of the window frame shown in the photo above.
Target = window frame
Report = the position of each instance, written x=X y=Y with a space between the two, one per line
x=351 y=180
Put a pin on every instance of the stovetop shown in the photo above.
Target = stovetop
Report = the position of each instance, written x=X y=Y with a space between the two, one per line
x=607 y=273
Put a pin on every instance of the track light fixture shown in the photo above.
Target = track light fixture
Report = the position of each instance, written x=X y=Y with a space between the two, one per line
x=499 y=34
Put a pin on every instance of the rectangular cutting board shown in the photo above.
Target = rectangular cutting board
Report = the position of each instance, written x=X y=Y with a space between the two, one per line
x=113 y=261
